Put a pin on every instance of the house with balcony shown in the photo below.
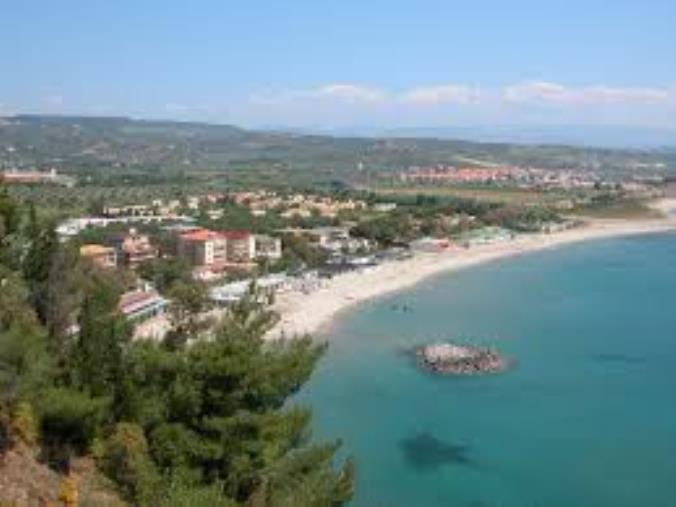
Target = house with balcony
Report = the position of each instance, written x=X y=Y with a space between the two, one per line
x=102 y=256
x=142 y=304
x=240 y=246
x=203 y=248
x=267 y=247
x=134 y=248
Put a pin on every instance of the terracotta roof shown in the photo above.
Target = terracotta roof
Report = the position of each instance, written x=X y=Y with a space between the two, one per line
x=206 y=235
x=94 y=249
x=202 y=235
x=135 y=300
x=236 y=234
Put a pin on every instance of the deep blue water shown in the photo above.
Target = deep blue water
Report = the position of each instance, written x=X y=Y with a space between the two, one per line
x=586 y=418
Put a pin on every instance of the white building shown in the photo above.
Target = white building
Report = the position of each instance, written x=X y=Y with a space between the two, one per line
x=234 y=291
x=268 y=247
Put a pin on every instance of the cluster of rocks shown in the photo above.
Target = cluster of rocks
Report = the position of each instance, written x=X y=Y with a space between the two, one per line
x=451 y=359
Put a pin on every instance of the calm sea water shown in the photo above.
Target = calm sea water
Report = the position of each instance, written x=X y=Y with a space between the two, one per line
x=586 y=418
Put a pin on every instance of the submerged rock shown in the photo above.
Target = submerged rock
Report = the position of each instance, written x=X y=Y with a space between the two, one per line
x=451 y=359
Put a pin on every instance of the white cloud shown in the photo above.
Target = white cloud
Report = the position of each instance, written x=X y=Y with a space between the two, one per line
x=336 y=92
x=174 y=107
x=546 y=92
x=350 y=93
x=53 y=100
x=444 y=94
x=350 y=103
x=535 y=90
x=607 y=94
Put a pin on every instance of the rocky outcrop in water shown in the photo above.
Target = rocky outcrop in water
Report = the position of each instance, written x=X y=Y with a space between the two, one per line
x=451 y=359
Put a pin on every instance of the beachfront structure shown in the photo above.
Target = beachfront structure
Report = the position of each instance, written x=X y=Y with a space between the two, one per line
x=268 y=247
x=331 y=239
x=429 y=244
x=134 y=248
x=233 y=292
x=142 y=304
x=326 y=236
x=320 y=236
x=102 y=256
x=486 y=236
x=337 y=239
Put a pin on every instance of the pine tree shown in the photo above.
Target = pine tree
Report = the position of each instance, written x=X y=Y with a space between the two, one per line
x=103 y=333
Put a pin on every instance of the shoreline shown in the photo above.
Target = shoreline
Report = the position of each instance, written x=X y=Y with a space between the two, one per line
x=312 y=313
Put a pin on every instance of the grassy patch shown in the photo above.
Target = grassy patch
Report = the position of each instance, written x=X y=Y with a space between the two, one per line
x=483 y=193
x=635 y=210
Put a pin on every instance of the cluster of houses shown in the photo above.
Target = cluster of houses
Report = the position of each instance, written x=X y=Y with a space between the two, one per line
x=523 y=177
x=451 y=174
x=129 y=249
x=333 y=239
x=211 y=253
x=168 y=208
x=27 y=177
x=296 y=205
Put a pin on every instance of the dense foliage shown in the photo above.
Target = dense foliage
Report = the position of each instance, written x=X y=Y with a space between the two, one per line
x=201 y=421
x=423 y=215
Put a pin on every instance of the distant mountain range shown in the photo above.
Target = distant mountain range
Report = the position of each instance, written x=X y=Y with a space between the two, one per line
x=115 y=145
x=601 y=136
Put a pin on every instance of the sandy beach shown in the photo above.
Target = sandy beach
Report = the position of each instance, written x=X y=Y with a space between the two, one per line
x=311 y=313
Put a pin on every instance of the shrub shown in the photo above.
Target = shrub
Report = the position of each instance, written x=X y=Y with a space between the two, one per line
x=25 y=423
x=68 y=422
x=127 y=462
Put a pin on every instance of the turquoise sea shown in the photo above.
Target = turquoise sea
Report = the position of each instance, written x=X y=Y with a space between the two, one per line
x=586 y=418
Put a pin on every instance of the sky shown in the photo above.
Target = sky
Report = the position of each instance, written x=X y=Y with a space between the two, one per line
x=336 y=64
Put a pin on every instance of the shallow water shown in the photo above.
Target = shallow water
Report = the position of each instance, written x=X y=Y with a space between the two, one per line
x=586 y=418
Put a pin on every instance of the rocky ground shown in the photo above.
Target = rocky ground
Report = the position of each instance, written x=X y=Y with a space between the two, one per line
x=25 y=482
x=451 y=359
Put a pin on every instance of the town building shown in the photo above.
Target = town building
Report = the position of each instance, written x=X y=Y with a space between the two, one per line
x=240 y=245
x=133 y=210
x=102 y=256
x=142 y=304
x=326 y=236
x=215 y=214
x=135 y=248
x=266 y=286
x=384 y=207
x=219 y=250
x=36 y=177
x=268 y=247
x=203 y=247
x=429 y=244
x=332 y=239
x=486 y=236
x=192 y=202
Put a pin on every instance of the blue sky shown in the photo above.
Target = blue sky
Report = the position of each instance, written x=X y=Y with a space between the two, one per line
x=344 y=63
